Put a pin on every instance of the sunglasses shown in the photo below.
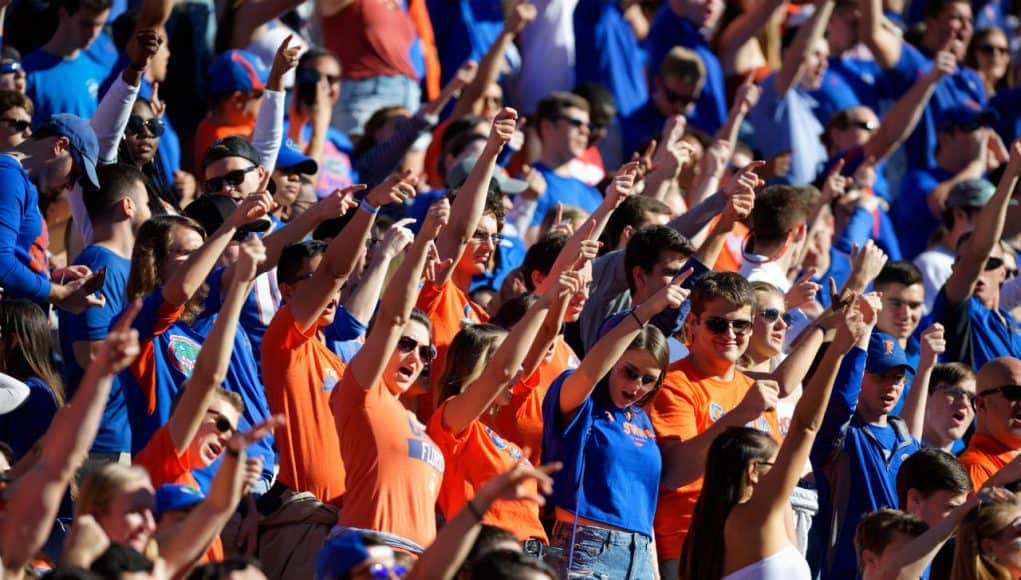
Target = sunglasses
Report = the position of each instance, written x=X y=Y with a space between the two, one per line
x=136 y=125
x=1009 y=392
x=222 y=424
x=17 y=125
x=232 y=178
x=993 y=263
x=426 y=352
x=575 y=122
x=679 y=98
x=771 y=314
x=634 y=375
x=380 y=571
x=717 y=325
x=989 y=49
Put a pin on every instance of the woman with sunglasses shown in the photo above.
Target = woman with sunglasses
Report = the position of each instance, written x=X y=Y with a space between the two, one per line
x=748 y=485
x=140 y=148
x=989 y=56
x=595 y=424
x=393 y=469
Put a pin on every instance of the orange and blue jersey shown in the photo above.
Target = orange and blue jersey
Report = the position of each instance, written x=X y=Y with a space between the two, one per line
x=24 y=265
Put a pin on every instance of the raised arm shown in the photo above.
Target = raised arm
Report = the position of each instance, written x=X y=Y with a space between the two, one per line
x=214 y=356
x=975 y=251
x=398 y=300
x=903 y=117
x=344 y=251
x=879 y=35
x=671 y=156
x=114 y=110
x=470 y=202
x=601 y=358
x=745 y=99
x=797 y=54
x=741 y=191
x=252 y=14
x=744 y=28
x=361 y=301
x=269 y=122
x=187 y=280
x=502 y=369
x=34 y=498
x=913 y=412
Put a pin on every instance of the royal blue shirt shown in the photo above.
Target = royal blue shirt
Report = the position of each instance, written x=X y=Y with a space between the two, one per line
x=669 y=30
x=344 y=336
x=912 y=217
x=833 y=96
x=787 y=124
x=24 y=426
x=611 y=462
x=93 y=324
x=58 y=85
x=24 y=266
x=566 y=190
x=464 y=30
x=607 y=52
x=976 y=334
x=862 y=76
x=640 y=127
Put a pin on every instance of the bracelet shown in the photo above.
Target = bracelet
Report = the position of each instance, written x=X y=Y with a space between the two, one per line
x=638 y=320
x=232 y=452
x=368 y=207
x=474 y=511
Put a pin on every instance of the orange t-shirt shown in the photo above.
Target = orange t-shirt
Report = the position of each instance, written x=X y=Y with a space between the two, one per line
x=300 y=373
x=983 y=457
x=521 y=420
x=688 y=404
x=448 y=308
x=394 y=470
x=730 y=258
x=207 y=133
x=473 y=457
x=166 y=465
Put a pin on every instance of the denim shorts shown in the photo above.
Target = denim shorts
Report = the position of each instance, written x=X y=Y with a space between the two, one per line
x=601 y=554
x=359 y=99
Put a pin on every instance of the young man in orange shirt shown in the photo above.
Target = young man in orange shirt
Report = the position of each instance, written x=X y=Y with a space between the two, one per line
x=702 y=396
x=997 y=437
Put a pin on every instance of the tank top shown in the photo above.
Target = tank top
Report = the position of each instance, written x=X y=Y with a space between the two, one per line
x=787 y=564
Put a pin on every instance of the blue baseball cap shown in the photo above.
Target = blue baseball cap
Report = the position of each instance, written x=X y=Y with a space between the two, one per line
x=237 y=70
x=291 y=157
x=339 y=555
x=885 y=353
x=967 y=118
x=176 y=496
x=83 y=141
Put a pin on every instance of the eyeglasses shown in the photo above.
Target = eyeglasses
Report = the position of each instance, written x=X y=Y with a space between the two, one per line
x=990 y=49
x=232 y=178
x=1009 y=392
x=634 y=375
x=993 y=263
x=483 y=237
x=955 y=394
x=869 y=126
x=380 y=571
x=426 y=352
x=575 y=122
x=17 y=125
x=717 y=325
x=771 y=314
x=679 y=98
x=136 y=125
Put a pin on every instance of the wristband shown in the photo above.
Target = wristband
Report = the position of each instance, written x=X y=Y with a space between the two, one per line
x=232 y=452
x=368 y=207
x=638 y=320
x=474 y=511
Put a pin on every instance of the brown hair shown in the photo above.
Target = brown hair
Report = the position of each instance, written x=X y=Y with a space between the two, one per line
x=684 y=64
x=12 y=99
x=152 y=244
x=876 y=530
x=946 y=374
x=29 y=344
x=983 y=521
x=730 y=286
x=467 y=357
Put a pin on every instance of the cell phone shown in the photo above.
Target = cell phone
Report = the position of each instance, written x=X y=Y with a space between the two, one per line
x=307 y=79
x=95 y=283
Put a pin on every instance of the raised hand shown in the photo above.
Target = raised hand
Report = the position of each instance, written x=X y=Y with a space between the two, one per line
x=747 y=95
x=252 y=255
x=397 y=188
x=436 y=219
x=434 y=266
x=252 y=208
x=464 y=76
x=670 y=296
x=836 y=184
x=867 y=261
x=565 y=288
x=851 y=326
x=504 y=126
x=285 y=59
x=871 y=305
x=745 y=178
x=81 y=294
x=622 y=186
x=147 y=44
x=397 y=237
x=513 y=485
x=739 y=207
x=716 y=157
x=535 y=181
x=240 y=441
x=802 y=291
x=933 y=344
x=1014 y=158
x=761 y=397
x=521 y=15
x=337 y=203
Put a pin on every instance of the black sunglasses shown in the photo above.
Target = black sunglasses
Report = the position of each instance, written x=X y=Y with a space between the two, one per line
x=989 y=49
x=863 y=125
x=17 y=125
x=717 y=325
x=234 y=178
x=771 y=314
x=1009 y=392
x=136 y=125
x=426 y=352
x=221 y=423
x=576 y=123
x=633 y=375
x=993 y=263
x=679 y=98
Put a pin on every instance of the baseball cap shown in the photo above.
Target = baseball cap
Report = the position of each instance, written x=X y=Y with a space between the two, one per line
x=237 y=70
x=291 y=157
x=339 y=555
x=84 y=145
x=176 y=496
x=459 y=173
x=233 y=146
x=967 y=118
x=885 y=353
x=210 y=211
x=970 y=193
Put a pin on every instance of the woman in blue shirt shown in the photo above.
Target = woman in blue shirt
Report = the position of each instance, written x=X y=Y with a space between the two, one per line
x=593 y=422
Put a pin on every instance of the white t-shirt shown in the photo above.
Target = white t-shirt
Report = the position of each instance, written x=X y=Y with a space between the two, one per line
x=936 y=265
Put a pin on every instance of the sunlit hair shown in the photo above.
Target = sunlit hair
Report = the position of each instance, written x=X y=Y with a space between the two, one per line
x=152 y=245
x=468 y=355
x=984 y=521
x=29 y=344
x=763 y=291
x=101 y=486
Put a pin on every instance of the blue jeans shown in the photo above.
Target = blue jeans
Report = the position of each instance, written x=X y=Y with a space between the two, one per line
x=601 y=554
x=359 y=99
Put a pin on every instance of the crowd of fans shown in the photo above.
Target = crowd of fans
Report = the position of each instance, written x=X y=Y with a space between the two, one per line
x=673 y=289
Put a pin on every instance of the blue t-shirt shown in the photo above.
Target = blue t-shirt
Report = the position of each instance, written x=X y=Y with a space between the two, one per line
x=912 y=218
x=1007 y=103
x=22 y=427
x=963 y=88
x=93 y=324
x=344 y=336
x=58 y=85
x=787 y=124
x=614 y=456
x=566 y=190
x=640 y=127
x=862 y=76
x=24 y=265
x=607 y=52
x=833 y=96
x=976 y=334
x=464 y=30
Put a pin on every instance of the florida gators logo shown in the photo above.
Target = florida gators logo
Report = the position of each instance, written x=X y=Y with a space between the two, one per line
x=887 y=347
x=183 y=351
x=330 y=379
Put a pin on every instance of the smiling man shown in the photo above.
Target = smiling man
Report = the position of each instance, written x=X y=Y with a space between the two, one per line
x=997 y=436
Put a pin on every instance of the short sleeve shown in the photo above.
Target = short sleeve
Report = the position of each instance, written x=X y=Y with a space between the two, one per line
x=155 y=316
x=673 y=413
x=161 y=459
x=551 y=411
x=448 y=442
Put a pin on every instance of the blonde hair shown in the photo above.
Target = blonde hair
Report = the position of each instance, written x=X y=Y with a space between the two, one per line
x=101 y=486
x=982 y=522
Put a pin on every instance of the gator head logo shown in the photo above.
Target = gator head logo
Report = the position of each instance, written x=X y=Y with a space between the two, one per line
x=183 y=351
x=887 y=347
